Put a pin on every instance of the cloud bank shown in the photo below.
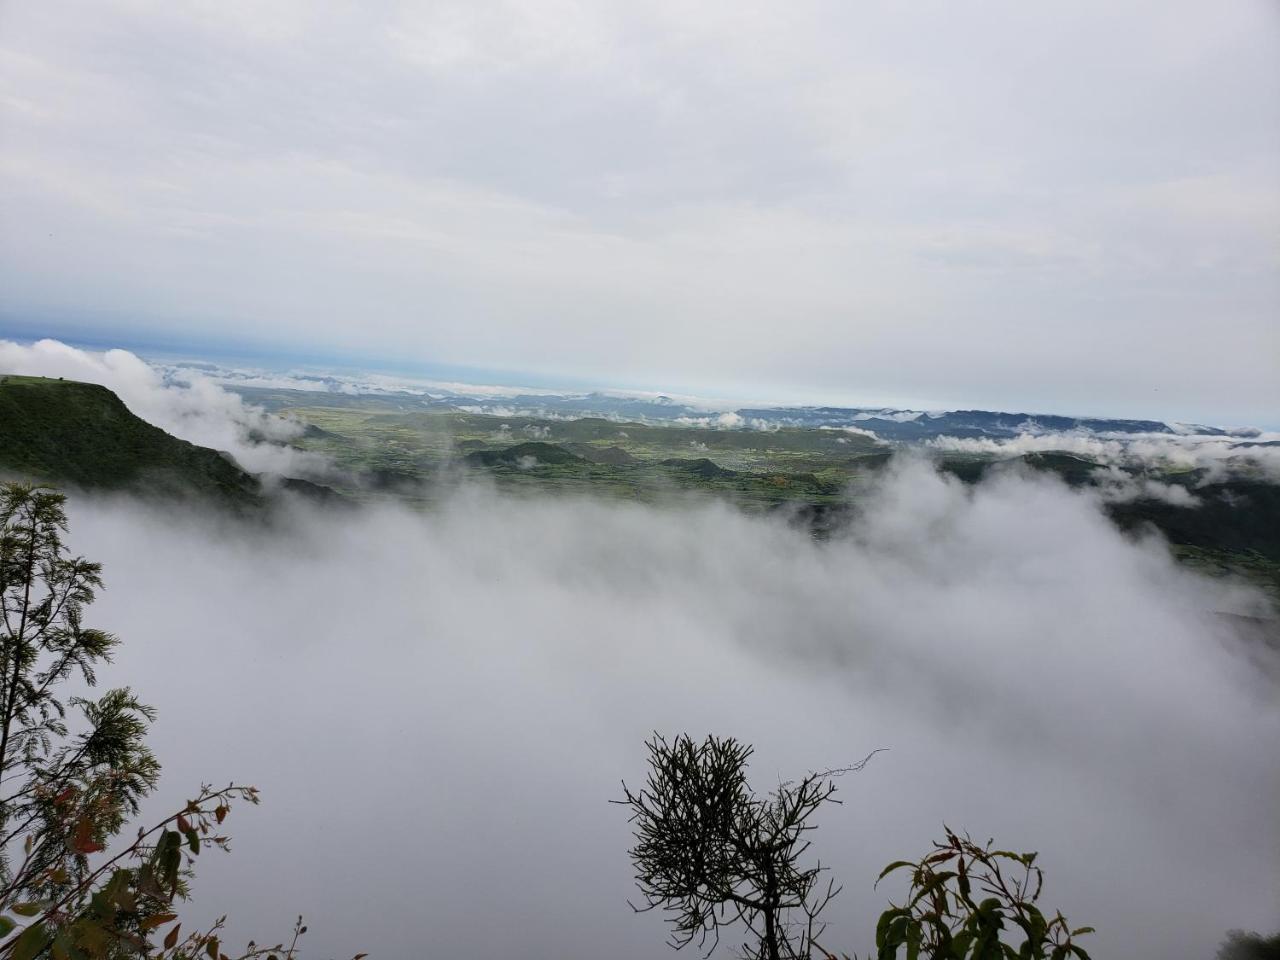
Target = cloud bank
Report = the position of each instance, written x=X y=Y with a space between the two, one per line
x=1219 y=456
x=439 y=706
x=192 y=407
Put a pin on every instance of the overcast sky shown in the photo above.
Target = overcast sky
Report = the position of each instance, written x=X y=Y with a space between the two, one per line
x=1068 y=206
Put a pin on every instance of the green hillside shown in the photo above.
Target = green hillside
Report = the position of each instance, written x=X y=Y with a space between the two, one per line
x=82 y=435
x=524 y=455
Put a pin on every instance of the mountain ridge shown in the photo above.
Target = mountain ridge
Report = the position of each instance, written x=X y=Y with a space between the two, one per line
x=83 y=436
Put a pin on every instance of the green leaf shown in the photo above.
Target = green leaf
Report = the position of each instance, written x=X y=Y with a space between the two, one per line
x=32 y=941
x=92 y=937
x=897 y=933
x=882 y=925
x=193 y=841
x=61 y=948
x=27 y=909
x=1079 y=931
x=169 y=858
x=937 y=880
x=6 y=925
x=896 y=865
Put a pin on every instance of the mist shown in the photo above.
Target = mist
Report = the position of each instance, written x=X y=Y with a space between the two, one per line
x=438 y=707
x=1219 y=456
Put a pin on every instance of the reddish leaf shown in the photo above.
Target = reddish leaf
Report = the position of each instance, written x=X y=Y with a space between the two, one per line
x=83 y=841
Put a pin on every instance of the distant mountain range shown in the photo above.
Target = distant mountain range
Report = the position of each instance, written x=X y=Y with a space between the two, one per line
x=889 y=423
x=915 y=425
x=885 y=422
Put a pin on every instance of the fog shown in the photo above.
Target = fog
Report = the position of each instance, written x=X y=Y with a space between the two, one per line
x=1219 y=456
x=438 y=707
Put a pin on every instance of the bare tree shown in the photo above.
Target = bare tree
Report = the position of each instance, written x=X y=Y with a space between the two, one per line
x=711 y=853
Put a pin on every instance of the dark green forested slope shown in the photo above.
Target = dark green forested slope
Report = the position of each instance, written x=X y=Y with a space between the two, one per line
x=82 y=435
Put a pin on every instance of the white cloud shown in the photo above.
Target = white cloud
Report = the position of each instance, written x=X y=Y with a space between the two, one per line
x=1215 y=454
x=797 y=201
x=856 y=431
x=1116 y=486
x=1037 y=677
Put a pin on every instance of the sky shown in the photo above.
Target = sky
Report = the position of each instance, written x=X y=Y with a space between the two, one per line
x=1068 y=208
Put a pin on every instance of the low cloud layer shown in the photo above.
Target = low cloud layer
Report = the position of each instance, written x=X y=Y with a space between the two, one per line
x=1215 y=454
x=438 y=707
x=185 y=404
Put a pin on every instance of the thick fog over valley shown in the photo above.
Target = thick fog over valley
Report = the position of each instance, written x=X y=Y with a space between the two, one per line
x=438 y=707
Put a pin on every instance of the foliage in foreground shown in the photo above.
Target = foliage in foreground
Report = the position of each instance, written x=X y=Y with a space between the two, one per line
x=711 y=853
x=1249 y=946
x=972 y=902
x=69 y=786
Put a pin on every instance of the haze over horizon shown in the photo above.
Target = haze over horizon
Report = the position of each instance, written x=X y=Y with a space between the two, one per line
x=1056 y=210
x=280 y=367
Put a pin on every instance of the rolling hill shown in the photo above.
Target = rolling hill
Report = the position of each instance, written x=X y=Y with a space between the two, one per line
x=82 y=435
